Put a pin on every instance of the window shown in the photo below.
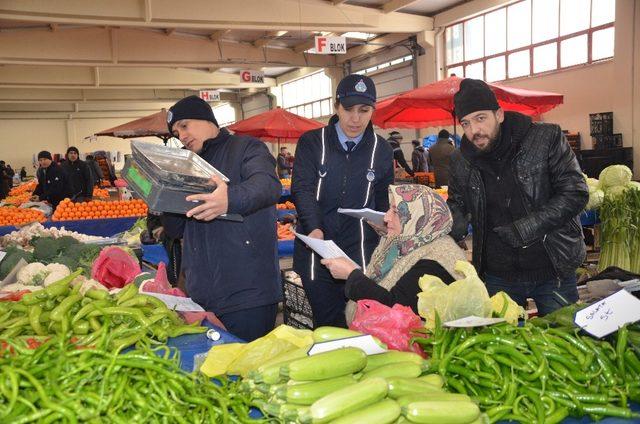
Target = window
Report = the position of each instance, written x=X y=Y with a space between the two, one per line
x=528 y=37
x=305 y=96
x=384 y=65
x=225 y=114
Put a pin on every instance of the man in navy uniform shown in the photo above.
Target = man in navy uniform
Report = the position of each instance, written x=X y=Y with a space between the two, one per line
x=342 y=165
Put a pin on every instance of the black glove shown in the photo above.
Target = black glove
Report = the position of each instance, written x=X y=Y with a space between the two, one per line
x=509 y=235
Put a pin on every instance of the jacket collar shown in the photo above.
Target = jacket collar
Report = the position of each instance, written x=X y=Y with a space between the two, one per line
x=368 y=131
x=222 y=136
x=512 y=131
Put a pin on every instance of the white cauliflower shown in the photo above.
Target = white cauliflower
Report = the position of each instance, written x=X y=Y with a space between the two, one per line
x=32 y=274
x=59 y=268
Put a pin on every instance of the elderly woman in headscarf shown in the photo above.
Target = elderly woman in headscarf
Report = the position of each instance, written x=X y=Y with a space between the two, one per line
x=416 y=243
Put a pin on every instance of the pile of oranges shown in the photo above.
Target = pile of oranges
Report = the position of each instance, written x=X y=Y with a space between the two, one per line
x=95 y=209
x=286 y=182
x=286 y=205
x=285 y=232
x=18 y=199
x=24 y=188
x=100 y=192
x=16 y=216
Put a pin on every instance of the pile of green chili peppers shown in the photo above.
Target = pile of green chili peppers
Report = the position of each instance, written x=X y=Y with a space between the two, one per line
x=537 y=375
x=57 y=382
x=60 y=309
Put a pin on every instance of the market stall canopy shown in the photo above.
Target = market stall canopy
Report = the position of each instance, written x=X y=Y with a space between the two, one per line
x=154 y=125
x=276 y=124
x=432 y=105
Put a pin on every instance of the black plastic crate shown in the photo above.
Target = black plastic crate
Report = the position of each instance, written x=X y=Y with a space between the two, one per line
x=296 y=309
x=612 y=141
x=601 y=123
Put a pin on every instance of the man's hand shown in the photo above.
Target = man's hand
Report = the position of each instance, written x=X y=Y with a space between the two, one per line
x=509 y=235
x=316 y=234
x=340 y=268
x=214 y=204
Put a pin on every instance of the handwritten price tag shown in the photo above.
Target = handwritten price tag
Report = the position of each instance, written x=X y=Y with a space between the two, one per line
x=611 y=313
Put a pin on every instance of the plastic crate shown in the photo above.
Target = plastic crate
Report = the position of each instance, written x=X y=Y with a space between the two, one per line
x=296 y=309
x=601 y=123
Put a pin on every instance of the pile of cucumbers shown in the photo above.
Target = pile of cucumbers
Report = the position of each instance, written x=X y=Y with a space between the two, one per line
x=348 y=386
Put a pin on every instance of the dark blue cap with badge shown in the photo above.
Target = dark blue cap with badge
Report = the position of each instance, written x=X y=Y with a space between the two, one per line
x=356 y=89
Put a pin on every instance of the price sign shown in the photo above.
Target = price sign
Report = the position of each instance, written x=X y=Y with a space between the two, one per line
x=605 y=317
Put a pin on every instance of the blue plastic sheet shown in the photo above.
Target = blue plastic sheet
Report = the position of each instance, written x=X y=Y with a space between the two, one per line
x=106 y=227
x=154 y=254
x=285 y=248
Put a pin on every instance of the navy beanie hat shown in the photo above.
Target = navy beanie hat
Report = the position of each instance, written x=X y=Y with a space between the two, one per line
x=473 y=95
x=192 y=107
x=45 y=155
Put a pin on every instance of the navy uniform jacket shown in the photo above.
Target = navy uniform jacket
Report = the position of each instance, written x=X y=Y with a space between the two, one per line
x=344 y=184
x=80 y=179
x=53 y=184
x=231 y=266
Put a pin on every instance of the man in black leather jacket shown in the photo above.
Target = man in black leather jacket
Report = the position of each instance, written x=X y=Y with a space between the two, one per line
x=520 y=186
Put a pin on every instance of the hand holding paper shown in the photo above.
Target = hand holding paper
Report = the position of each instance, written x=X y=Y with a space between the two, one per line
x=327 y=249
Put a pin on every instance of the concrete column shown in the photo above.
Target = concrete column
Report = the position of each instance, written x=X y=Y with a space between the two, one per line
x=626 y=96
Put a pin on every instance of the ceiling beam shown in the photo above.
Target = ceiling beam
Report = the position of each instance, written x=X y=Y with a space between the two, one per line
x=86 y=77
x=270 y=36
x=216 y=35
x=337 y=2
x=265 y=15
x=395 y=5
x=383 y=42
x=96 y=46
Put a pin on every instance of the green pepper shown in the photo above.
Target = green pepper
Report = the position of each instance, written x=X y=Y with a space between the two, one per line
x=621 y=346
x=34 y=319
x=60 y=311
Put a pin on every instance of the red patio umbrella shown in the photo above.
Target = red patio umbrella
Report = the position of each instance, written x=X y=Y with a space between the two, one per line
x=147 y=126
x=276 y=124
x=432 y=105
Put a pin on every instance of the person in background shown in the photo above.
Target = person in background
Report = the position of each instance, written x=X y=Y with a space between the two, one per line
x=394 y=141
x=6 y=181
x=23 y=173
x=284 y=166
x=53 y=184
x=440 y=154
x=79 y=174
x=522 y=187
x=416 y=243
x=418 y=159
x=343 y=165
x=96 y=171
x=231 y=268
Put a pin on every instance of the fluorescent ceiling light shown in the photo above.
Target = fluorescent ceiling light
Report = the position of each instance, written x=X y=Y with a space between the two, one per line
x=359 y=35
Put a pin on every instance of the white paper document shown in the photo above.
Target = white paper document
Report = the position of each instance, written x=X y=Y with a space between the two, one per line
x=605 y=317
x=375 y=217
x=327 y=249
x=181 y=304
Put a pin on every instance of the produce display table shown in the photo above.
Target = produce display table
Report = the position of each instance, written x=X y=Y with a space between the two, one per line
x=191 y=345
x=105 y=227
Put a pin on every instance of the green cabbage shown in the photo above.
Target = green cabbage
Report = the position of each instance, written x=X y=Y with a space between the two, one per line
x=615 y=175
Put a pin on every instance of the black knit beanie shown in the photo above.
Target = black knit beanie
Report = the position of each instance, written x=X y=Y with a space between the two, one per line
x=73 y=149
x=474 y=95
x=45 y=155
x=192 y=107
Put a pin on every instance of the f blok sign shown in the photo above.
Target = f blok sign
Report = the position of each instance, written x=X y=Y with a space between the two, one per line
x=331 y=45
x=249 y=76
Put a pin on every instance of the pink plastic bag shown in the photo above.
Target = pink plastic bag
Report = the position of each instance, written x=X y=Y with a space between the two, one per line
x=161 y=285
x=114 y=268
x=391 y=325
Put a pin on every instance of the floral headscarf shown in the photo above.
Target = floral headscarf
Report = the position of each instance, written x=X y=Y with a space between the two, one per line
x=424 y=217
